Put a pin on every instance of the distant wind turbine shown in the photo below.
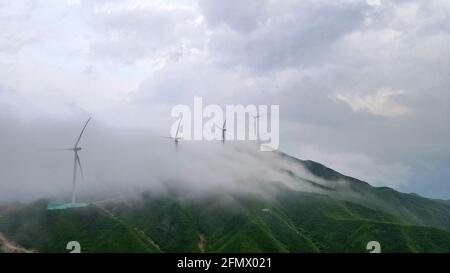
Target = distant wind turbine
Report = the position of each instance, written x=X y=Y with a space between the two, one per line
x=223 y=129
x=175 y=138
x=256 y=124
x=76 y=162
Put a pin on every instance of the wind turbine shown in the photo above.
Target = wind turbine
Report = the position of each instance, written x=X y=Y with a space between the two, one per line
x=256 y=124
x=76 y=162
x=176 y=138
x=223 y=129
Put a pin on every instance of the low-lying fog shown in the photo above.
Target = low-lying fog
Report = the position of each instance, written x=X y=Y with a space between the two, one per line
x=118 y=161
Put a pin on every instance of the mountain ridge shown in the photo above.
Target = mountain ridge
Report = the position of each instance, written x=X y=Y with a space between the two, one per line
x=343 y=215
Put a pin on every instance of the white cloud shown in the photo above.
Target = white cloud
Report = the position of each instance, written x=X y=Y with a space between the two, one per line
x=16 y=29
x=73 y=2
x=129 y=32
x=373 y=2
x=382 y=103
x=361 y=166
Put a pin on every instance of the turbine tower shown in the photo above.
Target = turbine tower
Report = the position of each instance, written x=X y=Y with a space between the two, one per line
x=256 y=125
x=77 y=162
x=223 y=129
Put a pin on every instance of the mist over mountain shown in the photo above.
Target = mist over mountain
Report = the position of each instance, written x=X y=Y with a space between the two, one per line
x=147 y=195
x=292 y=206
x=362 y=85
x=135 y=159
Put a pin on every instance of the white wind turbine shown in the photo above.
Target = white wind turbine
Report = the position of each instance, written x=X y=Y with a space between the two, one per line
x=256 y=124
x=76 y=162
x=223 y=129
x=175 y=138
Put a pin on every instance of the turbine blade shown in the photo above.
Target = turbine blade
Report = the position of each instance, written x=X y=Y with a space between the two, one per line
x=82 y=131
x=178 y=129
x=167 y=137
x=81 y=168
x=224 y=124
x=66 y=149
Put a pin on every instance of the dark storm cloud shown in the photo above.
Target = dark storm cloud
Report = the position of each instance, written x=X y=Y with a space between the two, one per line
x=289 y=34
x=241 y=16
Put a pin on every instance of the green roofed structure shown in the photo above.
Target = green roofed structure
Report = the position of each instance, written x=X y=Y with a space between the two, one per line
x=56 y=206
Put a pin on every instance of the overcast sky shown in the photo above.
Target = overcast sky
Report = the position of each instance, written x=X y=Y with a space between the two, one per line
x=363 y=86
